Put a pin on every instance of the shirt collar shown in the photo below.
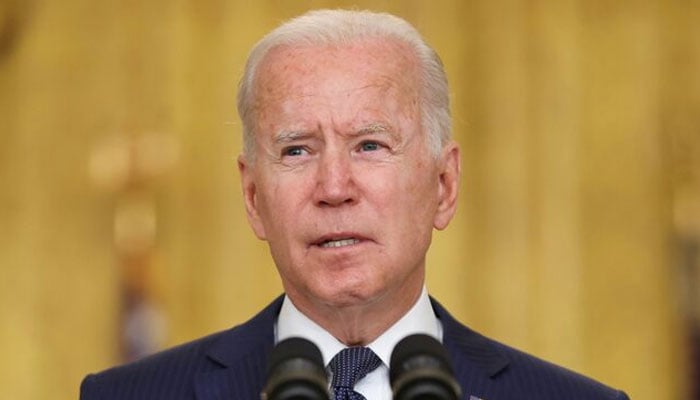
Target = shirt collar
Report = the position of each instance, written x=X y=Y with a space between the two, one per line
x=419 y=319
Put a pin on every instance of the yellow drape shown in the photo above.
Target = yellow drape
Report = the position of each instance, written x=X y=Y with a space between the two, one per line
x=567 y=112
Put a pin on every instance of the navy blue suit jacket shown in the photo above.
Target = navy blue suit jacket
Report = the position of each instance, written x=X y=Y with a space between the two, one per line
x=231 y=365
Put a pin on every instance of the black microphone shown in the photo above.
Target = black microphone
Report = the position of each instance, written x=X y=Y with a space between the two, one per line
x=420 y=369
x=295 y=372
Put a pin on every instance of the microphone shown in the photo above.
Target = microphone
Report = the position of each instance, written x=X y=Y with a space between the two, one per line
x=295 y=372
x=420 y=369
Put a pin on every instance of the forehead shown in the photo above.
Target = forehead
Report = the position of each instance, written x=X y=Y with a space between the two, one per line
x=308 y=70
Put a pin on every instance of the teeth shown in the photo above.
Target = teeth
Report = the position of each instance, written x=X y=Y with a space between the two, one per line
x=339 y=243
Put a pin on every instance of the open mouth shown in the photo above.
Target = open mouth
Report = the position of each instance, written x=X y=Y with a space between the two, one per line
x=335 y=243
x=326 y=244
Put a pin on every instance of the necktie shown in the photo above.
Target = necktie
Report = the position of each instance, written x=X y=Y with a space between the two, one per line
x=348 y=367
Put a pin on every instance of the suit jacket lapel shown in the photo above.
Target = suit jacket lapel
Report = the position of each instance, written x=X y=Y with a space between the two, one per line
x=474 y=357
x=241 y=356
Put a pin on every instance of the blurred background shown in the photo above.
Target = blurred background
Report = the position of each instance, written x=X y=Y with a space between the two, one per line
x=578 y=231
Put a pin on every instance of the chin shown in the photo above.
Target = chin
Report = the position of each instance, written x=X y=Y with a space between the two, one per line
x=349 y=296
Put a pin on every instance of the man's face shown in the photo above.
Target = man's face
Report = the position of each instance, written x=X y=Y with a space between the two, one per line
x=343 y=186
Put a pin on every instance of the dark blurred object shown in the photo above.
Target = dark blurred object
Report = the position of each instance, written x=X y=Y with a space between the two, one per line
x=421 y=369
x=14 y=14
x=686 y=216
x=295 y=372
x=129 y=168
x=689 y=262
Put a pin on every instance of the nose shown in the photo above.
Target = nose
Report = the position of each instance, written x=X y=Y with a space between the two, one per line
x=335 y=183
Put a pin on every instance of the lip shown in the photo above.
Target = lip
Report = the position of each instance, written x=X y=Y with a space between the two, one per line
x=318 y=242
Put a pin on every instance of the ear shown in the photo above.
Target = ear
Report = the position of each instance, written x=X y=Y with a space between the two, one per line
x=250 y=196
x=449 y=169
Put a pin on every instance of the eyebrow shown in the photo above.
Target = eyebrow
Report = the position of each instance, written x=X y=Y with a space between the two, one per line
x=290 y=136
x=373 y=128
x=378 y=128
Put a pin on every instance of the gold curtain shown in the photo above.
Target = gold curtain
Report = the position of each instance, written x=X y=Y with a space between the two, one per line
x=578 y=122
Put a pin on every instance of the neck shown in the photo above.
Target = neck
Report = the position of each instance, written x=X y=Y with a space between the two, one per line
x=360 y=324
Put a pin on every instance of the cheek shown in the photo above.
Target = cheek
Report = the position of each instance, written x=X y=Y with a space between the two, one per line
x=418 y=184
x=417 y=199
x=271 y=211
x=405 y=202
x=282 y=201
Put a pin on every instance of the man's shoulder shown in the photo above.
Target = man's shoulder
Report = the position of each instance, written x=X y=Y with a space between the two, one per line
x=172 y=365
x=487 y=368
x=170 y=374
x=542 y=379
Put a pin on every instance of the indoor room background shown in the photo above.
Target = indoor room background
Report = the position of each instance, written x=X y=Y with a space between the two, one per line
x=577 y=236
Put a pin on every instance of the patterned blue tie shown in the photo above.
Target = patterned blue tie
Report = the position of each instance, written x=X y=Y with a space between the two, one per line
x=348 y=367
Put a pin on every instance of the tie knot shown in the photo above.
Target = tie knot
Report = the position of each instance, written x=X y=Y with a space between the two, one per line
x=351 y=365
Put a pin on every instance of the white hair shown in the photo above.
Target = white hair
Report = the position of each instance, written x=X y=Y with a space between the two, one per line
x=336 y=27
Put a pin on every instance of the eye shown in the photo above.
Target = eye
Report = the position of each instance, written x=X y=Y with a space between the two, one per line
x=293 y=151
x=369 y=146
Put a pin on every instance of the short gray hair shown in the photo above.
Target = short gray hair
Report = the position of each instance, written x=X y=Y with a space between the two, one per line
x=332 y=27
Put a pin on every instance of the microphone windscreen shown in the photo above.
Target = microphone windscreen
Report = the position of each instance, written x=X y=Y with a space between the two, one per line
x=420 y=368
x=295 y=371
x=291 y=348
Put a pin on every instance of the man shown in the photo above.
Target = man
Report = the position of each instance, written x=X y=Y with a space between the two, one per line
x=347 y=168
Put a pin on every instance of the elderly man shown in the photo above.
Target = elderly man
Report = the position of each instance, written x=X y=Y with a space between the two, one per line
x=347 y=168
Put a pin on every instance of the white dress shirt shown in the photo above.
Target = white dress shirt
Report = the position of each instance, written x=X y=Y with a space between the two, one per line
x=375 y=386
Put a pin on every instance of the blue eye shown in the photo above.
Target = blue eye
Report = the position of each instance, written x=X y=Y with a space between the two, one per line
x=369 y=146
x=294 y=151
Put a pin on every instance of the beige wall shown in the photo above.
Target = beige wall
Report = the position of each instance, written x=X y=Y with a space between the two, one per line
x=579 y=127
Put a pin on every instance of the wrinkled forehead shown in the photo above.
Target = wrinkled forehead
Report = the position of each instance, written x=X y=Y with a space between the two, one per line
x=381 y=62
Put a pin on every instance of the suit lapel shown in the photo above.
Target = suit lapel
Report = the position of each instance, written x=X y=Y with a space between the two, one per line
x=242 y=381
x=475 y=359
x=241 y=356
